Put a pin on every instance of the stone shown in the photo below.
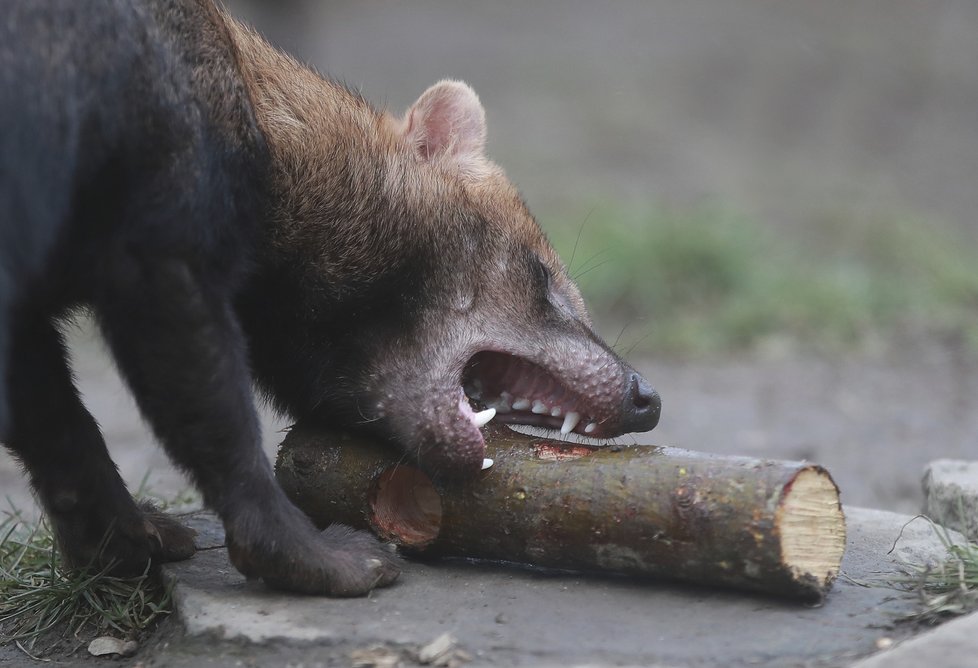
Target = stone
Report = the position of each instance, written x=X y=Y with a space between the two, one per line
x=109 y=646
x=951 y=495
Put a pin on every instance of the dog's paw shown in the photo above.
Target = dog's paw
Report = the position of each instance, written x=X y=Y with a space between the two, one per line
x=123 y=543
x=336 y=562
x=170 y=540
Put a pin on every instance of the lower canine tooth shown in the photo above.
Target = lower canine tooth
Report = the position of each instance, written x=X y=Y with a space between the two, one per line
x=482 y=417
x=539 y=407
x=570 y=421
x=486 y=463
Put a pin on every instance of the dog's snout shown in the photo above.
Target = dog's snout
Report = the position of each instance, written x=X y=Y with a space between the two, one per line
x=642 y=405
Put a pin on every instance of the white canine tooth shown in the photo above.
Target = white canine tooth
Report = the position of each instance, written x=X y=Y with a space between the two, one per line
x=539 y=407
x=570 y=421
x=556 y=411
x=521 y=404
x=486 y=463
x=590 y=427
x=482 y=417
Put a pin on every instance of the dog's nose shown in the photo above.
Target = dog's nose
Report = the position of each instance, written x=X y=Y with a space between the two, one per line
x=642 y=405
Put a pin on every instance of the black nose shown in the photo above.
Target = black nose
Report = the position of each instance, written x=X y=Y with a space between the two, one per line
x=642 y=405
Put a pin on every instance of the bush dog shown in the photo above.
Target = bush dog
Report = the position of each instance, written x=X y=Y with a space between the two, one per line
x=233 y=219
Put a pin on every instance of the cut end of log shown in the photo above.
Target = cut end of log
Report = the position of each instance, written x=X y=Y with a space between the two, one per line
x=812 y=527
x=405 y=507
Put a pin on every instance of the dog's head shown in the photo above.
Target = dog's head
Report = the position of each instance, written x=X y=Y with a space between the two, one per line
x=419 y=298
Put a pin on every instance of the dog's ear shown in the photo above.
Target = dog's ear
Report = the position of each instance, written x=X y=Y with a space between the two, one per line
x=448 y=124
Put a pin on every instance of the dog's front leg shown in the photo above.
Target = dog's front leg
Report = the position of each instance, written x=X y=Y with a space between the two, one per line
x=94 y=517
x=178 y=344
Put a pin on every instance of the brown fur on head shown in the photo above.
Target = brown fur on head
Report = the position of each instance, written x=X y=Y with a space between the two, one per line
x=405 y=285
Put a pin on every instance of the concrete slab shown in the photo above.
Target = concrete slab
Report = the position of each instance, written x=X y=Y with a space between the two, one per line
x=951 y=645
x=504 y=615
x=951 y=494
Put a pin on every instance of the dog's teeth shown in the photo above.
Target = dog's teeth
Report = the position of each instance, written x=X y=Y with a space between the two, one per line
x=590 y=427
x=504 y=403
x=486 y=463
x=521 y=404
x=482 y=417
x=539 y=408
x=556 y=411
x=570 y=421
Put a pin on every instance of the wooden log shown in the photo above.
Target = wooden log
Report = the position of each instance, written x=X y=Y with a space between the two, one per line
x=753 y=524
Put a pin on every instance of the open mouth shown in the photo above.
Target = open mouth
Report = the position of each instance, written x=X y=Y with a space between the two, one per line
x=521 y=392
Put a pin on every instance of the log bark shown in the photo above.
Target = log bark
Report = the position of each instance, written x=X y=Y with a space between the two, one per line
x=752 y=524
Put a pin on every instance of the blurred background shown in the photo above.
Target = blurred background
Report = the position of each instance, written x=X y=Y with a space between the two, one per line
x=769 y=205
x=739 y=171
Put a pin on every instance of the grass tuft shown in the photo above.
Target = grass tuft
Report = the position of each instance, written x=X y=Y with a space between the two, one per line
x=41 y=599
x=949 y=588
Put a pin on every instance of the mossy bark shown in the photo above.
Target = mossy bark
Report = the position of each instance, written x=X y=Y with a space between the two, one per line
x=640 y=510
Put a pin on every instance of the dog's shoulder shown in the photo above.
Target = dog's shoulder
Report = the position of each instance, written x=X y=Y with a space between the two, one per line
x=126 y=118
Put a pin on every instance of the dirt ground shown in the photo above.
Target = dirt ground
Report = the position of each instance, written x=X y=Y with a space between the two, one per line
x=873 y=420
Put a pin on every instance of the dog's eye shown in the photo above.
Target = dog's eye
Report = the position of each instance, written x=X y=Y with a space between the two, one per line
x=541 y=275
